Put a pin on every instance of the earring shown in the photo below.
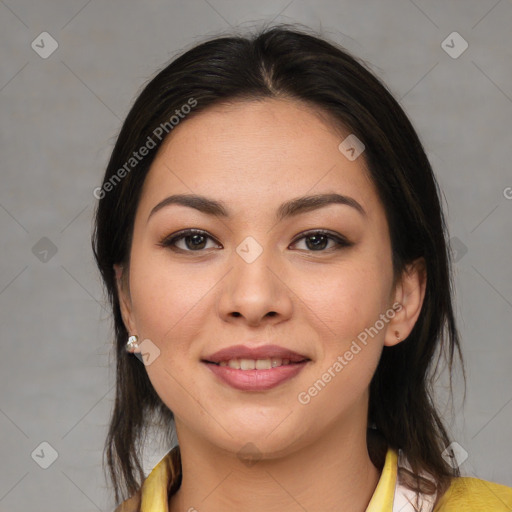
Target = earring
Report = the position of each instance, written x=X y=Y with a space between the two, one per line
x=397 y=334
x=132 y=343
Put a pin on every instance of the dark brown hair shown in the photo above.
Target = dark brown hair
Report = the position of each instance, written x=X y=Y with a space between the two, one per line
x=283 y=61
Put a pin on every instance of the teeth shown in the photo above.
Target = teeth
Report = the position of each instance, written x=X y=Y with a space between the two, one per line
x=255 y=364
x=263 y=364
x=247 y=364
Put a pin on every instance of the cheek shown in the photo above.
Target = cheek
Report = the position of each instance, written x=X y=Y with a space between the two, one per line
x=169 y=305
x=346 y=299
x=166 y=298
x=345 y=313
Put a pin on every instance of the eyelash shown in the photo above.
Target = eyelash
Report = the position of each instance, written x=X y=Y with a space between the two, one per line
x=170 y=241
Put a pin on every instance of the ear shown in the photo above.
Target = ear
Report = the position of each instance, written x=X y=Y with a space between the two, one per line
x=125 y=302
x=408 y=300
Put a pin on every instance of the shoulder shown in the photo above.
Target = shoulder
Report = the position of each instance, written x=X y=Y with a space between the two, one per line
x=130 y=505
x=163 y=480
x=467 y=494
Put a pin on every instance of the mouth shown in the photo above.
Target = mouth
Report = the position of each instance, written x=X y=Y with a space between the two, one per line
x=266 y=356
x=256 y=364
x=255 y=369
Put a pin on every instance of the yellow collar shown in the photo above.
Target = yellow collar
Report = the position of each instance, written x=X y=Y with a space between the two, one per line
x=166 y=475
x=382 y=499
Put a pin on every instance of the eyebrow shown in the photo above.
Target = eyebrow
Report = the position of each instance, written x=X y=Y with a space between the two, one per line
x=288 y=209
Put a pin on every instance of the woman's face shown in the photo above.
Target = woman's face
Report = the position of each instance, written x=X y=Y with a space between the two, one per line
x=259 y=276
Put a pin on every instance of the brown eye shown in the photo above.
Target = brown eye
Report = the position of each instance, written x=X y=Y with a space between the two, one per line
x=317 y=241
x=194 y=240
x=314 y=242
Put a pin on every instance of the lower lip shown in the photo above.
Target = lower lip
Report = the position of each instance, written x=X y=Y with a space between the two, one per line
x=256 y=380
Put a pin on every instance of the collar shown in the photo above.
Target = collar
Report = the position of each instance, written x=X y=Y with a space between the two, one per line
x=165 y=479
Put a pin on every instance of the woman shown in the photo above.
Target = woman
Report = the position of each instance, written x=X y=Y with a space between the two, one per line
x=271 y=238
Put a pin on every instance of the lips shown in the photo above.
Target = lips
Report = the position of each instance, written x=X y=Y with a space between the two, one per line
x=255 y=369
x=263 y=352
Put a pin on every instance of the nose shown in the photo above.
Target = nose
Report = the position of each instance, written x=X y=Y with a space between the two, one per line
x=255 y=292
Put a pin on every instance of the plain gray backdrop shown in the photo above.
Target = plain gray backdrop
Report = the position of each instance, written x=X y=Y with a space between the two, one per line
x=60 y=113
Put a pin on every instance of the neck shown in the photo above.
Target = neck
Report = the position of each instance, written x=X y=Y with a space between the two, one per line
x=334 y=473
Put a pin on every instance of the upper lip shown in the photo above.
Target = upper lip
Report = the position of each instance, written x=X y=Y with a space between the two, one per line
x=263 y=352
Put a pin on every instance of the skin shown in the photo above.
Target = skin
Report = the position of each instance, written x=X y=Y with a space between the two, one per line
x=252 y=156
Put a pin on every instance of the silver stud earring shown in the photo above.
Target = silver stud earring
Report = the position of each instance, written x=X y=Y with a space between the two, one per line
x=132 y=343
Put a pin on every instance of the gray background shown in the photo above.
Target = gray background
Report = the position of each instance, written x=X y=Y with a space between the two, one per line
x=59 y=119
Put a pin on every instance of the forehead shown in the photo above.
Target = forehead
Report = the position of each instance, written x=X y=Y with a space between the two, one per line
x=254 y=154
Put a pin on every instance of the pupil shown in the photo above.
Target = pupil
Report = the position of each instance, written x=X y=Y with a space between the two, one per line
x=316 y=243
x=195 y=239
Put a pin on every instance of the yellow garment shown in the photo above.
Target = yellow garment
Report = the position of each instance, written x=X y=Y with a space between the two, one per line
x=465 y=494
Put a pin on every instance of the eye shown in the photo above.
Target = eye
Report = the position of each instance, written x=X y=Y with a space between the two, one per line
x=317 y=241
x=195 y=240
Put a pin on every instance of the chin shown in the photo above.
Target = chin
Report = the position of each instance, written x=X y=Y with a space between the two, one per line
x=260 y=441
